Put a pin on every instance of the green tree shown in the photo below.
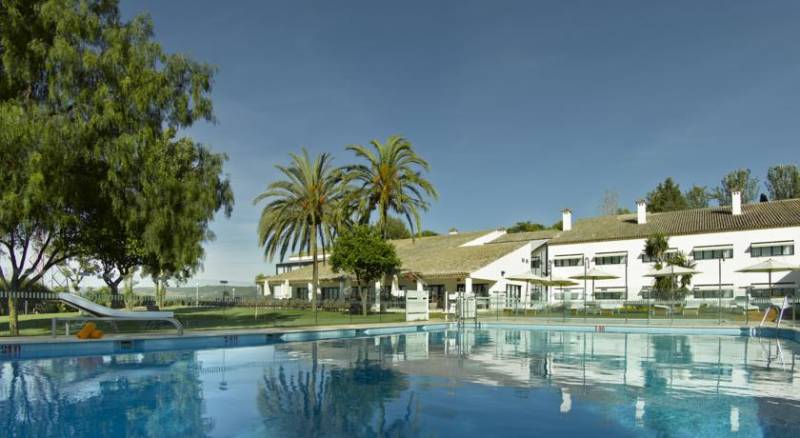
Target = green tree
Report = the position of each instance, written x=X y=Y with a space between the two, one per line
x=427 y=233
x=666 y=196
x=697 y=197
x=391 y=181
x=362 y=253
x=396 y=229
x=525 y=226
x=302 y=210
x=90 y=107
x=656 y=248
x=741 y=180
x=783 y=181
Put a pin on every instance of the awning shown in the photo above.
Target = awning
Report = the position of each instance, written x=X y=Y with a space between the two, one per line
x=712 y=248
x=568 y=257
x=768 y=244
x=611 y=254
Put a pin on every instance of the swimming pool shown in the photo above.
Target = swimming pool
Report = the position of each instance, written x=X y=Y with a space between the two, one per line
x=437 y=382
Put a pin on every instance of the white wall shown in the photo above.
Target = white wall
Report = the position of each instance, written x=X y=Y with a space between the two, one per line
x=741 y=241
x=515 y=262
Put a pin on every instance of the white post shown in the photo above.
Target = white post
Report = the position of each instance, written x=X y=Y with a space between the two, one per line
x=310 y=290
x=377 y=295
x=341 y=289
x=419 y=284
x=286 y=290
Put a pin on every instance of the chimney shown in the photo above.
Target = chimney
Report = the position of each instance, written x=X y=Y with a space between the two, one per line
x=641 y=212
x=566 y=219
x=736 y=203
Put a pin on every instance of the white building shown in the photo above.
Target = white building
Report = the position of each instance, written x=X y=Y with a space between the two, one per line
x=719 y=240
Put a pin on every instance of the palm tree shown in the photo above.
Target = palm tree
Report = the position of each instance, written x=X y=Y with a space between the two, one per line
x=391 y=180
x=302 y=210
x=655 y=247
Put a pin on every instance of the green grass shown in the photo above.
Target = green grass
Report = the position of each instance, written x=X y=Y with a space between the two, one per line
x=197 y=319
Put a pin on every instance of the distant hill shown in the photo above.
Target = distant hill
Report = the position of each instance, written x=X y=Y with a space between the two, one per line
x=206 y=292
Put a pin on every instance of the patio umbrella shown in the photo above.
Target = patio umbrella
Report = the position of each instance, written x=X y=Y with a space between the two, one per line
x=769 y=267
x=561 y=282
x=529 y=277
x=593 y=274
x=671 y=271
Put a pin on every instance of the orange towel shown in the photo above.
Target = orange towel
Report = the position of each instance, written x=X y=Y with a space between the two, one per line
x=87 y=330
x=97 y=334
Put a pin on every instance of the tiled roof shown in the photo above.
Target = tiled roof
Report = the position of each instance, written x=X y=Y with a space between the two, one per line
x=434 y=256
x=775 y=214
x=526 y=236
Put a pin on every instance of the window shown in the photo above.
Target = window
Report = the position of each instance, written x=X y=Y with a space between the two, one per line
x=777 y=291
x=301 y=293
x=713 y=253
x=536 y=262
x=777 y=249
x=609 y=260
x=647 y=259
x=608 y=295
x=330 y=293
x=513 y=294
x=568 y=261
x=477 y=289
x=711 y=292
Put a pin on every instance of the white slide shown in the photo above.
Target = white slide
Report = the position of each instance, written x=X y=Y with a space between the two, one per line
x=89 y=306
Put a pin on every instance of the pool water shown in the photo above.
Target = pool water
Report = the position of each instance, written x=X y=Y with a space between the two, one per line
x=473 y=382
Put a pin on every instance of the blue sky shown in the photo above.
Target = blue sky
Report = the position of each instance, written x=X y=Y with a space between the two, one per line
x=522 y=108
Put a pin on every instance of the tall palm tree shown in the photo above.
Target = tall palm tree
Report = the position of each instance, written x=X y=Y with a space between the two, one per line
x=302 y=210
x=391 y=181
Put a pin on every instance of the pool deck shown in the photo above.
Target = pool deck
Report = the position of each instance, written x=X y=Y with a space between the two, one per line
x=598 y=325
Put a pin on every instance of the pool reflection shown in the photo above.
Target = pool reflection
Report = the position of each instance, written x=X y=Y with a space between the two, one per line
x=470 y=383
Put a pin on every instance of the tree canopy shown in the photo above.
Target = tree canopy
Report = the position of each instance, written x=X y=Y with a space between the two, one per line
x=396 y=229
x=741 y=180
x=362 y=253
x=666 y=196
x=391 y=181
x=783 y=181
x=94 y=166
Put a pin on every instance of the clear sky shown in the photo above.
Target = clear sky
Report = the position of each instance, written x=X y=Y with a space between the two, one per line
x=522 y=108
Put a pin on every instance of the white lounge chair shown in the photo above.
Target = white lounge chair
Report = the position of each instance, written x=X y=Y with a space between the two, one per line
x=691 y=305
x=103 y=313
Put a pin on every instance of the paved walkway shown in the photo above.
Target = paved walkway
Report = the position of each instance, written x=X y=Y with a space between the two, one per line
x=692 y=324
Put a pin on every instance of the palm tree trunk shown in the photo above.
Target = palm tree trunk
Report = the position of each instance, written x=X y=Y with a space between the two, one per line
x=315 y=268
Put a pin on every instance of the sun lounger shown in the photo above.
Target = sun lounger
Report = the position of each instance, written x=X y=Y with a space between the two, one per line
x=103 y=313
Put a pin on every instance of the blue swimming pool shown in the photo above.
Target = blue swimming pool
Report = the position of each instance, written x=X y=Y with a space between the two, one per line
x=497 y=381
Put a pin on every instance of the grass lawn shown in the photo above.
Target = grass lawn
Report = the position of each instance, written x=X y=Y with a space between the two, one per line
x=211 y=318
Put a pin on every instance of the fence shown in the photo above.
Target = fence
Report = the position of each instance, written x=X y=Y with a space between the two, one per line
x=35 y=309
x=743 y=310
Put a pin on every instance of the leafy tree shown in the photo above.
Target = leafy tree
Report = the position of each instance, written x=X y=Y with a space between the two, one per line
x=666 y=196
x=75 y=271
x=656 y=248
x=525 y=226
x=609 y=205
x=697 y=197
x=90 y=108
x=783 y=181
x=396 y=229
x=741 y=180
x=302 y=210
x=391 y=181
x=362 y=253
x=428 y=233
x=557 y=225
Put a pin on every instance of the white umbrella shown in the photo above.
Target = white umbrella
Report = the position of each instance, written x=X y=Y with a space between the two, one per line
x=529 y=277
x=671 y=271
x=769 y=267
x=594 y=274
